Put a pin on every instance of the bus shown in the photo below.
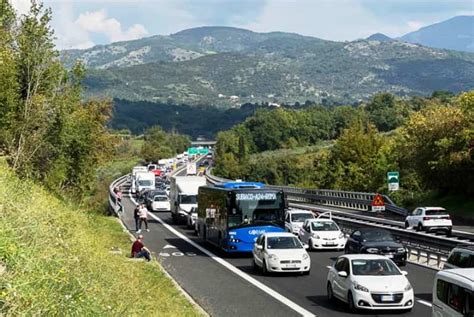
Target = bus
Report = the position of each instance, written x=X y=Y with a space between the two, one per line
x=232 y=215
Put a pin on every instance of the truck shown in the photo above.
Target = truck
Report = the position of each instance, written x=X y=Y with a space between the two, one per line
x=183 y=195
x=135 y=170
x=144 y=181
x=191 y=168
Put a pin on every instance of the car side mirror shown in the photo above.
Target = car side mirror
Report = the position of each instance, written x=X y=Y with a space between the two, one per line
x=405 y=273
x=259 y=247
x=306 y=246
x=342 y=273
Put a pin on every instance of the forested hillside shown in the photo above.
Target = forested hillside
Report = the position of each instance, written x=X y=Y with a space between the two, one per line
x=428 y=140
x=227 y=67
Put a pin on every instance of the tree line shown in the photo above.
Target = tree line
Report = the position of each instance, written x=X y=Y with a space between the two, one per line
x=428 y=140
x=47 y=131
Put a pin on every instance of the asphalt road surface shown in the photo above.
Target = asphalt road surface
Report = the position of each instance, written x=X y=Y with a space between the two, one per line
x=229 y=286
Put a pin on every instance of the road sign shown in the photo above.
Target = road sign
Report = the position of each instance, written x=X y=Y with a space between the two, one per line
x=192 y=151
x=393 y=181
x=203 y=151
x=378 y=204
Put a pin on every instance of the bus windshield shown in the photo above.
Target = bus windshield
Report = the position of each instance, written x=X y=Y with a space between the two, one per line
x=257 y=207
x=188 y=199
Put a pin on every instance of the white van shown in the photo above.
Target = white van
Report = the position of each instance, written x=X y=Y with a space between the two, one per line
x=183 y=195
x=135 y=170
x=144 y=181
x=453 y=293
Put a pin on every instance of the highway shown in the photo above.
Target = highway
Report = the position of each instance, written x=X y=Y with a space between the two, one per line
x=228 y=285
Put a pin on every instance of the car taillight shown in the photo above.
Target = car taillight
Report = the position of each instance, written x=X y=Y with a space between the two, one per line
x=426 y=218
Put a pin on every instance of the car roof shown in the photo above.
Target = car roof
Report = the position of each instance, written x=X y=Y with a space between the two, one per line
x=467 y=273
x=364 y=257
x=364 y=230
x=300 y=211
x=464 y=247
x=432 y=208
x=320 y=220
x=279 y=234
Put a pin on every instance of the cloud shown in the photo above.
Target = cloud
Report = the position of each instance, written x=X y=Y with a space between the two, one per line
x=21 y=6
x=98 y=22
x=415 y=25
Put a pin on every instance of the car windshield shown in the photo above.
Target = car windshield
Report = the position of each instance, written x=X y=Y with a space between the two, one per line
x=301 y=217
x=324 y=226
x=283 y=243
x=436 y=212
x=377 y=236
x=188 y=199
x=374 y=267
x=144 y=182
x=161 y=198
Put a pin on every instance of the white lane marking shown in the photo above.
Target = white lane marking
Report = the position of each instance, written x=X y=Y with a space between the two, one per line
x=424 y=302
x=282 y=299
x=163 y=254
x=169 y=246
x=191 y=254
x=177 y=254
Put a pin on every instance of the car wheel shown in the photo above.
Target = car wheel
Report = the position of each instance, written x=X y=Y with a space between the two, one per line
x=310 y=244
x=350 y=302
x=448 y=233
x=404 y=263
x=264 y=268
x=346 y=250
x=420 y=227
x=255 y=265
x=330 y=293
x=407 y=226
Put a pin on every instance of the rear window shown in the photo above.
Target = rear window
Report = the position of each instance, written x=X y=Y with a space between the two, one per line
x=456 y=297
x=461 y=259
x=436 y=212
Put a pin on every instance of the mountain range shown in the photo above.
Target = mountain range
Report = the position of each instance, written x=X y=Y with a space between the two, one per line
x=224 y=66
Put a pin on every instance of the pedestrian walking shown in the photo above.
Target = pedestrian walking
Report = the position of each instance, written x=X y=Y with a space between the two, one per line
x=143 y=214
x=136 y=216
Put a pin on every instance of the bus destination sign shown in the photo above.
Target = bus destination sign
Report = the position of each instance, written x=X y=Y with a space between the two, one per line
x=256 y=196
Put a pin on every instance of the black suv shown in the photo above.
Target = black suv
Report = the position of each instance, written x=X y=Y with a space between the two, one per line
x=376 y=241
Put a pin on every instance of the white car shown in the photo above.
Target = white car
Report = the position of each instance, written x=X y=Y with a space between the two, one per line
x=429 y=219
x=322 y=233
x=453 y=293
x=294 y=219
x=366 y=281
x=160 y=203
x=280 y=252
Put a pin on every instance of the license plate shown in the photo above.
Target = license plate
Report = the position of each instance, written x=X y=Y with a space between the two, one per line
x=387 y=298
x=330 y=243
x=291 y=265
x=390 y=256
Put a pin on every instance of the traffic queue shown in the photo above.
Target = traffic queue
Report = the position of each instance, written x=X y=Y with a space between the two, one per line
x=248 y=217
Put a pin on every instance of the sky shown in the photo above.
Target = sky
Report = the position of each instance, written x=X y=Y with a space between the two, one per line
x=85 y=23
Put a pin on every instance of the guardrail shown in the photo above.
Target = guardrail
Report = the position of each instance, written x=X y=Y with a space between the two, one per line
x=344 y=199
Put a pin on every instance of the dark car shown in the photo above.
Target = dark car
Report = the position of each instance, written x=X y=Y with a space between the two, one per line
x=376 y=241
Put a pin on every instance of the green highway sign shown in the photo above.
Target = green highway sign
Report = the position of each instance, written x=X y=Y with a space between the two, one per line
x=203 y=151
x=192 y=151
x=393 y=181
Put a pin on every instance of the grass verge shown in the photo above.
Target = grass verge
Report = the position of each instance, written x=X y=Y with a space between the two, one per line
x=55 y=260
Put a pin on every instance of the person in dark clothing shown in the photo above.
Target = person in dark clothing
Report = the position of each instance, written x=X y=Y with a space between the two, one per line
x=139 y=250
x=136 y=216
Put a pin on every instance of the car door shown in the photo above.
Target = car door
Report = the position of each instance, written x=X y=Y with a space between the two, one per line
x=354 y=241
x=414 y=219
x=339 y=282
x=258 y=252
x=305 y=232
x=287 y=222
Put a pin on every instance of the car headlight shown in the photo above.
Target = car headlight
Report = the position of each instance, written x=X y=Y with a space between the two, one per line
x=341 y=235
x=408 y=287
x=305 y=256
x=316 y=236
x=273 y=257
x=372 y=250
x=360 y=288
x=234 y=240
x=401 y=250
